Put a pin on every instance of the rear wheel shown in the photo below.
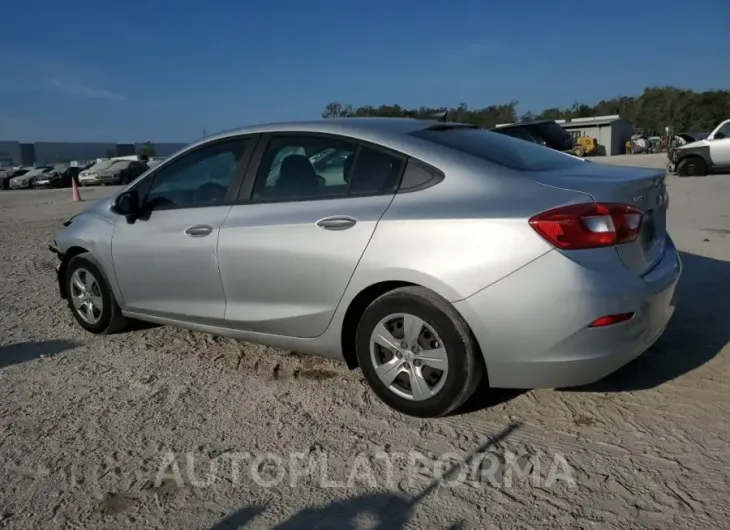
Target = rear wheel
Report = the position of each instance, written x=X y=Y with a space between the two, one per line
x=90 y=298
x=417 y=353
x=692 y=166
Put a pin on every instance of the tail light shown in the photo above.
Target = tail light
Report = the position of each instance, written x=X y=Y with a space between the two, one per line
x=610 y=320
x=591 y=225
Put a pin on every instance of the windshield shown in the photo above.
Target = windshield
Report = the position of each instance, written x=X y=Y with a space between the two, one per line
x=119 y=164
x=36 y=171
x=499 y=149
x=101 y=165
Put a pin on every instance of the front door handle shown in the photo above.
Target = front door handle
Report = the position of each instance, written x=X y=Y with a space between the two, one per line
x=338 y=222
x=199 y=230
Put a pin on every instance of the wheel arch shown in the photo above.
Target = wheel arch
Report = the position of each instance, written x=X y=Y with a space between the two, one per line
x=357 y=307
x=71 y=253
x=702 y=152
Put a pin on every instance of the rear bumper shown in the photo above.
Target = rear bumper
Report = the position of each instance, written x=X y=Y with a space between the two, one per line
x=532 y=326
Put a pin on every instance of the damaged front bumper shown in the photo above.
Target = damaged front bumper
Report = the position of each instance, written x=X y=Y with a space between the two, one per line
x=53 y=248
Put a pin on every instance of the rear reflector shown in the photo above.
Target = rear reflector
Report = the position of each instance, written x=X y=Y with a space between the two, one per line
x=609 y=320
x=590 y=225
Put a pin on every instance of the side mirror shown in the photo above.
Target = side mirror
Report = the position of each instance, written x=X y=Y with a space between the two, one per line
x=127 y=203
x=719 y=136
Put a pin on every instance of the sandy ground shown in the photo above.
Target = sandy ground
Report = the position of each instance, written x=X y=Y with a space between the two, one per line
x=88 y=425
x=654 y=160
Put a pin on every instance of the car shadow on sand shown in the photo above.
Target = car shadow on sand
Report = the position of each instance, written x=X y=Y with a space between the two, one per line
x=698 y=331
x=31 y=350
x=389 y=511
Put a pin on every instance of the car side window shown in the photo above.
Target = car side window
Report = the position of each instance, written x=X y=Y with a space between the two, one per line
x=375 y=172
x=199 y=178
x=314 y=167
x=724 y=131
x=304 y=167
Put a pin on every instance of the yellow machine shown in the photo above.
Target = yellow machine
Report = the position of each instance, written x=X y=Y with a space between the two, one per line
x=585 y=145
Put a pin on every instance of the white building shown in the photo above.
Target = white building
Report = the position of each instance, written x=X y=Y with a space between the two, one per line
x=611 y=132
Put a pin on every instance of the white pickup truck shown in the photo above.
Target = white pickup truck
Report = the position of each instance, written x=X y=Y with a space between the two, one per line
x=704 y=157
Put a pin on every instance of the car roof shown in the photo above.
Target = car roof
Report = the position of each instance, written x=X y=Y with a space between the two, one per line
x=364 y=128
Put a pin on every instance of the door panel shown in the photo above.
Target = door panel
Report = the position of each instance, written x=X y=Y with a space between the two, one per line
x=282 y=272
x=720 y=152
x=173 y=273
x=165 y=261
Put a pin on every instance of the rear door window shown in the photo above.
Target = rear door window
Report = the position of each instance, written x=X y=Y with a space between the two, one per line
x=311 y=167
x=499 y=149
x=375 y=172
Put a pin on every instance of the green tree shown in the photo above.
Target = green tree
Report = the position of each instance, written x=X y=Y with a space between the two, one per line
x=654 y=109
x=337 y=110
x=146 y=150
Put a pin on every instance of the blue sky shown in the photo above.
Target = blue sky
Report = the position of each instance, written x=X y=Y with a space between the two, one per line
x=163 y=71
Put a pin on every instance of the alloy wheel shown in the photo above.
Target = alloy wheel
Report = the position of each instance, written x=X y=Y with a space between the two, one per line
x=86 y=296
x=409 y=356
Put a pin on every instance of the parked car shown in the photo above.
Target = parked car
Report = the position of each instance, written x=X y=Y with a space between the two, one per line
x=112 y=172
x=444 y=257
x=703 y=156
x=59 y=177
x=547 y=133
x=156 y=161
x=10 y=173
x=26 y=180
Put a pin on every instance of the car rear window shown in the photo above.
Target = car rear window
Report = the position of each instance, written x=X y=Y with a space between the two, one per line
x=499 y=149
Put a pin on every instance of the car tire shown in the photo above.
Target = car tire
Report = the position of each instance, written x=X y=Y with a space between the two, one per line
x=441 y=328
x=105 y=319
x=692 y=166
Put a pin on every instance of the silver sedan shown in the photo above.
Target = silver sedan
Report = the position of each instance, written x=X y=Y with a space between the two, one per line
x=436 y=257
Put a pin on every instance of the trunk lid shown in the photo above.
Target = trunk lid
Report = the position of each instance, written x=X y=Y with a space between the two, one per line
x=643 y=188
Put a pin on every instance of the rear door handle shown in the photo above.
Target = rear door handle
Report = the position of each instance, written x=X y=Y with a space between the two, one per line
x=199 y=230
x=338 y=222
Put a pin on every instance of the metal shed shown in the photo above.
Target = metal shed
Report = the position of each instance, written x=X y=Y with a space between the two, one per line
x=611 y=132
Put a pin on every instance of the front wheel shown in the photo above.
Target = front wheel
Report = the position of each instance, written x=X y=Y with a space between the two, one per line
x=90 y=298
x=417 y=353
x=692 y=166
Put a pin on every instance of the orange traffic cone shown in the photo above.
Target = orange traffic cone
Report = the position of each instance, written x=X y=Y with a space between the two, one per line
x=76 y=194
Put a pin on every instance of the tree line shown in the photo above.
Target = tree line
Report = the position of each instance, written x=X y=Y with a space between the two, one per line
x=655 y=109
